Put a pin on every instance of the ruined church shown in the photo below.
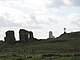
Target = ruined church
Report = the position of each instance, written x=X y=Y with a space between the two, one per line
x=24 y=36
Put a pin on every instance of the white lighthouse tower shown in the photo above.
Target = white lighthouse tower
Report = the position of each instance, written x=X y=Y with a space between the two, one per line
x=51 y=35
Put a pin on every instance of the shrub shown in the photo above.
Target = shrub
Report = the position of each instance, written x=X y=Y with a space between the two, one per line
x=76 y=54
x=20 y=58
x=49 y=55
x=29 y=56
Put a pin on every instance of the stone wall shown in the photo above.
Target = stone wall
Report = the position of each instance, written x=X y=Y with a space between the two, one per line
x=26 y=36
x=10 y=38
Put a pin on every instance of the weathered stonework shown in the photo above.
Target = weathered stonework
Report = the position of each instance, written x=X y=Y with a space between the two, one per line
x=23 y=35
x=10 y=37
x=26 y=36
x=31 y=35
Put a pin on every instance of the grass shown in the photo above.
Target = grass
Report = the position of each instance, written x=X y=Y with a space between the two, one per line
x=68 y=49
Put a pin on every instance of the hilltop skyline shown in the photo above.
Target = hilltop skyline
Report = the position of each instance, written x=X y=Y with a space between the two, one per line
x=39 y=16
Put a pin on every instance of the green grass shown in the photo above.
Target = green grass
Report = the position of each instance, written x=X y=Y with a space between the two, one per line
x=34 y=51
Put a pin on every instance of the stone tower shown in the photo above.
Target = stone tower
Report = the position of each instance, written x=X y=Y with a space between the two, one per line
x=10 y=38
x=23 y=35
x=51 y=34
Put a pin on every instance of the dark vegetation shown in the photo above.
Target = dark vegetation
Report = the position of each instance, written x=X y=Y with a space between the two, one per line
x=46 y=49
x=65 y=47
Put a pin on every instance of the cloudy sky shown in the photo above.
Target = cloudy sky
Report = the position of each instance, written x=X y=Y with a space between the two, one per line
x=39 y=16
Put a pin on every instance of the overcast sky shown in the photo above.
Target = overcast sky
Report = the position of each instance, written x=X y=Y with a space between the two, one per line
x=39 y=16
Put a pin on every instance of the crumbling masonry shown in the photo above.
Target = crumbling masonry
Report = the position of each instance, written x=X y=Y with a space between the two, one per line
x=9 y=37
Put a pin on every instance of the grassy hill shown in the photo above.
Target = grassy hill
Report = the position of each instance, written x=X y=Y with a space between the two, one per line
x=70 y=35
x=65 y=47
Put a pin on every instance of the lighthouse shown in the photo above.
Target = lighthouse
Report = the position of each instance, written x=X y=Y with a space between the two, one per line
x=51 y=35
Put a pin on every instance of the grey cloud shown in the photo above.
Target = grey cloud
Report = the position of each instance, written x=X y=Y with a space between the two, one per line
x=56 y=3
x=10 y=23
x=38 y=23
x=75 y=2
x=76 y=23
x=59 y=3
x=7 y=23
x=53 y=21
x=9 y=0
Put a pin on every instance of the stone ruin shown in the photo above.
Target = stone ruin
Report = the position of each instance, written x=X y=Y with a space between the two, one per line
x=31 y=35
x=23 y=35
x=26 y=36
x=10 y=37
